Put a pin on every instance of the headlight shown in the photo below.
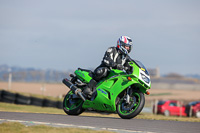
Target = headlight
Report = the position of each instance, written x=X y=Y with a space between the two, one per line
x=145 y=78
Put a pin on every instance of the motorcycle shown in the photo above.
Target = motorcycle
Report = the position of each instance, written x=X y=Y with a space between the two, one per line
x=121 y=91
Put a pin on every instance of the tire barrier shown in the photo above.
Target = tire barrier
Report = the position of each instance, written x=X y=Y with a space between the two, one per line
x=0 y=94
x=8 y=97
x=37 y=101
x=20 y=99
x=49 y=103
x=60 y=105
x=16 y=98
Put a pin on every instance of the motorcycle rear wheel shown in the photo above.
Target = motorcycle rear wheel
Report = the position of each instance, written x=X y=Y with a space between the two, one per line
x=72 y=106
x=133 y=108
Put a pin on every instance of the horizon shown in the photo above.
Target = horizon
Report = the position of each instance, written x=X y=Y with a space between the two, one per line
x=72 y=70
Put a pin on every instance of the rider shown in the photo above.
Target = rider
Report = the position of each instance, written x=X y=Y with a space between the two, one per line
x=114 y=58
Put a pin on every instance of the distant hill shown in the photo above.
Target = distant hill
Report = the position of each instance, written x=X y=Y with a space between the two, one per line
x=193 y=76
x=20 y=74
x=31 y=75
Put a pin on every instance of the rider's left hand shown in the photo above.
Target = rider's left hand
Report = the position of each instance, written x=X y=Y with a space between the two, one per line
x=120 y=66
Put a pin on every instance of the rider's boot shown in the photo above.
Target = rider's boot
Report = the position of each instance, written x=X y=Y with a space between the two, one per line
x=88 y=90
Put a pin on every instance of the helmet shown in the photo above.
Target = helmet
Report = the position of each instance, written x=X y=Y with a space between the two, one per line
x=124 y=41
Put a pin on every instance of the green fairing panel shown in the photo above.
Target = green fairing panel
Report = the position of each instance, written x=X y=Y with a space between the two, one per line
x=136 y=73
x=135 y=69
x=115 y=72
x=107 y=93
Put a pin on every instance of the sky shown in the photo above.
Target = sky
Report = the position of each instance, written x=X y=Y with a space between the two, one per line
x=65 y=34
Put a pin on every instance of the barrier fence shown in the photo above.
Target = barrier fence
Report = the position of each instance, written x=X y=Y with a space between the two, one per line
x=16 y=98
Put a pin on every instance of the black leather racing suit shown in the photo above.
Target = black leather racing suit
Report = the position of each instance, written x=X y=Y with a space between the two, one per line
x=113 y=59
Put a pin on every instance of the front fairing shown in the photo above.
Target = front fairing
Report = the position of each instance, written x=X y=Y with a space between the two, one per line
x=141 y=73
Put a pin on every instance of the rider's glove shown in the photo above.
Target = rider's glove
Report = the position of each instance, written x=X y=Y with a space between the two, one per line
x=129 y=69
x=126 y=68
x=120 y=66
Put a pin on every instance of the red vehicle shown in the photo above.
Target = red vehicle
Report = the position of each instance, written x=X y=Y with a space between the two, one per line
x=193 y=109
x=169 y=107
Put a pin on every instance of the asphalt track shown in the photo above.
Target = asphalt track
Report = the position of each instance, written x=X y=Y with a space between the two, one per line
x=103 y=123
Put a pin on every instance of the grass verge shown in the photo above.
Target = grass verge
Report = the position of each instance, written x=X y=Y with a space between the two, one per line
x=14 y=127
x=28 y=108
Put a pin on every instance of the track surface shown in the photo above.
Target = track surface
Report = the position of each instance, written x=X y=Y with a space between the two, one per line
x=116 y=124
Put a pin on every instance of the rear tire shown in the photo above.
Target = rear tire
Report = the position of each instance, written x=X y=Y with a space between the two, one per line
x=128 y=111
x=72 y=106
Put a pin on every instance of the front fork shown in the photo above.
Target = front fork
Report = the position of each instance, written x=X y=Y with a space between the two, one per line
x=127 y=98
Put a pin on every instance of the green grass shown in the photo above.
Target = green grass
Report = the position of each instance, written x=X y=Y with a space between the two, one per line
x=28 y=108
x=34 y=109
x=13 y=127
x=169 y=118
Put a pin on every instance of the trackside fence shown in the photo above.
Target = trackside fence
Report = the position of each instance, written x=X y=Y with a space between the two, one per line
x=9 y=97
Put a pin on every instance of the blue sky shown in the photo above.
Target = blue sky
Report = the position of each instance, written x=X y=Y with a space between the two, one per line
x=63 y=34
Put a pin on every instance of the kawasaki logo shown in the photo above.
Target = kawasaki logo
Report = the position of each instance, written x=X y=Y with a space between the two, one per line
x=102 y=91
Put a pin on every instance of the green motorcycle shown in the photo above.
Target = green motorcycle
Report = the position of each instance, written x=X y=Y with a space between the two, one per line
x=121 y=91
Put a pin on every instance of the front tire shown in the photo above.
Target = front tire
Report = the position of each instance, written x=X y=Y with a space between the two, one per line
x=133 y=108
x=72 y=106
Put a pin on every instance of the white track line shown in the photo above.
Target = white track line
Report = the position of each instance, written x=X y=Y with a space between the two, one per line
x=73 y=126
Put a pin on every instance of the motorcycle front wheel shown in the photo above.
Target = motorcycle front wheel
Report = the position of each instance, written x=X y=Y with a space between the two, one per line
x=133 y=107
x=72 y=106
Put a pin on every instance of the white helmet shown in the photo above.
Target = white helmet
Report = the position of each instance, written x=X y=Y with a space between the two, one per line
x=124 y=41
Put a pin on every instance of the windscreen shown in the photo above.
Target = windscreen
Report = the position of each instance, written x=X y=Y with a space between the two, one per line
x=140 y=65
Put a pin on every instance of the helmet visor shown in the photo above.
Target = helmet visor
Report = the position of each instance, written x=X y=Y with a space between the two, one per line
x=126 y=45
